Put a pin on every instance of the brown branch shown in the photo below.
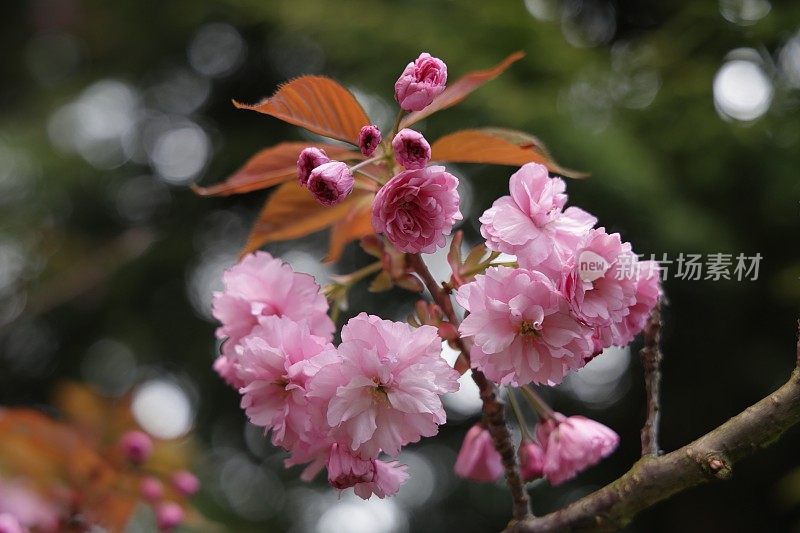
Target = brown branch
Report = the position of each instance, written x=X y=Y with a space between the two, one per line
x=651 y=361
x=493 y=407
x=652 y=479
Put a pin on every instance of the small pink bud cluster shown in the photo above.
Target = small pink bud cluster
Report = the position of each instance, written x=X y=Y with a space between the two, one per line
x=337 y=406
x=577 y=289
x=329 y=181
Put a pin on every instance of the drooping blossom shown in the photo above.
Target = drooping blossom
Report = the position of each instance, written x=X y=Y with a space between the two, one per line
x=366 y=476
x=598 y=286
x=368 y=139
x=260 y=285
x=478 y=459
x=331 y=182
x=521 y=328
x=411 y=150
x=416 y=209
x=151 y=488
x=531 y=460
x=136 y=446
x=572 y=444
x=9 y=524
x=28 y=508
x=532 y=224
x=169 y=515
x=274 y=364
x=422 y=80
x=385 y=390
x=185 y=483
x=309 y=159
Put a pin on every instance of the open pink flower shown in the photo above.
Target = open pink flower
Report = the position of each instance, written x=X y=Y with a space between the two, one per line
x=366 y=476
x=648 y=291
x=598 y=286
x=385 y=390
x=411 y=149
x=9 y=524
x=531 y=460
x=331 y=182
x=368 y=139
x=573 y=444
x=422 y=80
x=274 y=365
x=532 y=224
x=260 y=285
x=416 y=209
x=478 y=459
x=28 y=508
x=521 y=327
x=309 y=159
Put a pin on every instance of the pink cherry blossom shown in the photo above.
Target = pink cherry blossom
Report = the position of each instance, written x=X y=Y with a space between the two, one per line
x=9 y=524
x=597 y=287
x=416 y=209
x=478 y=459
x=532 y=224
x=151 y=488
x=521 y=328
x=422 y=80
x=309 y=159
x=368 y=139
x=28 y=508
x=647 y=278
x=274 y=365
x=169 y=515
x=261 y=285
x=411 y=150
x=385 y=391
x=185 y=483
x=137 y=446
x=331 y=182
x=531 y=460
x=572 y=444
x=366 y=476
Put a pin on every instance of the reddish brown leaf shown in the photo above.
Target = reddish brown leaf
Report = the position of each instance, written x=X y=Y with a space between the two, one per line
x=271 y=166
x=496 y=146
x=292 y=212
x=456 y=92
x=318 y=104
x=356 y=224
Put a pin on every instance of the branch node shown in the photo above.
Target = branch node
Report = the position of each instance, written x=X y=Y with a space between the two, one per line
x=717 y=466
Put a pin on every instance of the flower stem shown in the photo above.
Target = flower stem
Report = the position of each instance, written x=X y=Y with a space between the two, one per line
x=544 y=411
x=366 y=162
x=523 y=426
x=397 y=121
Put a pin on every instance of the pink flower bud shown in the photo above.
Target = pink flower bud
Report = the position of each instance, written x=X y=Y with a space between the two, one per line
x=421 y=82
x=137 y=446
x=411 y=149
x=330 y=183
x=169 y=515
x=151 y=489
x=478 y=459
x=368 y=139
x=531 y=460
x=185 y=482
x=573 y=444
x=9 y=524
x=366 y=476
x=310 y=158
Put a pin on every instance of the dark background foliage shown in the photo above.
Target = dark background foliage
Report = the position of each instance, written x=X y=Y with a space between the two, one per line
x=109 y=109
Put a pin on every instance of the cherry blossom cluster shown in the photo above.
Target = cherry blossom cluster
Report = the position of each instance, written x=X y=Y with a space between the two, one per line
x=547 y=310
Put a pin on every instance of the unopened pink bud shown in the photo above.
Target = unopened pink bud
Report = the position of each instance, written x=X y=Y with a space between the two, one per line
x=368 y=139
x=151 y=489
x=478 y=459
x=411 y=149
x=330 y=183
x=421 y=82
x=169 y=515
x=137 y=446
x=310 y=158
x=185 y=482
x=531 y=460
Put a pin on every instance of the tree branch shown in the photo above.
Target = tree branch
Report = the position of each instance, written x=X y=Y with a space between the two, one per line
x=651 y=361
x=652 y=479
x=493 y=407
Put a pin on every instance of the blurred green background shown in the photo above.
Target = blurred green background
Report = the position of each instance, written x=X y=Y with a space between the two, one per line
x=686 y=114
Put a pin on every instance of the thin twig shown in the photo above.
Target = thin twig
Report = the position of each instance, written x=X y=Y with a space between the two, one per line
x=651 y=361
x=493 y=407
